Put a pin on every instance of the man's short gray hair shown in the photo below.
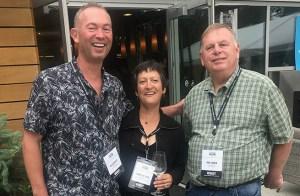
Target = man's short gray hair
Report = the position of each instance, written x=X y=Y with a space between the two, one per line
x=81 y=9
x=216 y=26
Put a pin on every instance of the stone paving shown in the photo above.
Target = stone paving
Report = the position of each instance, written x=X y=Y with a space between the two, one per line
x=288 y=189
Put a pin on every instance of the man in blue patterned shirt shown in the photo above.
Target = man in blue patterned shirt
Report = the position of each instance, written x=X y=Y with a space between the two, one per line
x=240 y=126
x=74 y=114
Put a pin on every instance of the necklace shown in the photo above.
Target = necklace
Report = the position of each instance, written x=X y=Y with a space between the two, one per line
x=147 y=137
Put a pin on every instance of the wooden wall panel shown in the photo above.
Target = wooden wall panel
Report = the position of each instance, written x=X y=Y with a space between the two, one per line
x=19 y=59
x=15 y=3
x=15 y=92
x=14 y=110
x=19 y=56
x=15 y=125
x=10 y=17
x=17 y=37
x=18 y=74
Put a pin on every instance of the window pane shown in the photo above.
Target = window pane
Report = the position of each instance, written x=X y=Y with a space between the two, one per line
x=191 y=27
x=250 y=33
x=49 y=36
x=282 y=36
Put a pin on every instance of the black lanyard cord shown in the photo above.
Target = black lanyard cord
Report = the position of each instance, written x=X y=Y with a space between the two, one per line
x=147 y=137
x=94 y=107
x=78 y=78
x=217 y=118
x=77 y=72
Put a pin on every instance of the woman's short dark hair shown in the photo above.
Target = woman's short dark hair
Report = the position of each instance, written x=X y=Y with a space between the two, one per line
x=150 y=65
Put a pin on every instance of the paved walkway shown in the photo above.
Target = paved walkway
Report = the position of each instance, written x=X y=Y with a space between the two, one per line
x=288 y=189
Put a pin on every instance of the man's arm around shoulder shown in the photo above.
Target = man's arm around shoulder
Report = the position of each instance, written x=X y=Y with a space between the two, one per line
x=33 y=163
x=173 y=110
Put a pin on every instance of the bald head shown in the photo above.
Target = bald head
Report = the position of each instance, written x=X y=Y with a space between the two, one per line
x=83 y=8
x=214 y=27
x=92 y=33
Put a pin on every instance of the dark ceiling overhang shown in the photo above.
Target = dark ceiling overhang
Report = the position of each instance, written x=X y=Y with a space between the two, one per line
x=39 y=3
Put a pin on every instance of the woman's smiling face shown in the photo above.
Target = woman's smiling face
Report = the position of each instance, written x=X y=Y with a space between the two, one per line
x=149 y=88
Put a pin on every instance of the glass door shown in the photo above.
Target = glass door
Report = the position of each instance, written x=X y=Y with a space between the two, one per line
x=185 y=69
x=250 y=31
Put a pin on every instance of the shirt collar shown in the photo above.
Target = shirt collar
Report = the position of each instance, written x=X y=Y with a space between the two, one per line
x=209 y=85
x=132 y=121
x=104 y=75
x=231 y=79
x=75 y=65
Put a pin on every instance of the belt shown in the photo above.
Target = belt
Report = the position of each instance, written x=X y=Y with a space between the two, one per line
x=215 y=188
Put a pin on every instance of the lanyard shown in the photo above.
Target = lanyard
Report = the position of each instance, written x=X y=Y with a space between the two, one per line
x=94 y=108
x=147 y=138
x=84 y=88
x=79 y=80
x=217 y=118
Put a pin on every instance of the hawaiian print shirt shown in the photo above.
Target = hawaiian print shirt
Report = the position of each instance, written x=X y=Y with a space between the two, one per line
x=78 y=128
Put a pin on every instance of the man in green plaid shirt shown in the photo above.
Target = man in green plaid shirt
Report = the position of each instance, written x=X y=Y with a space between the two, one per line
x=240 y=127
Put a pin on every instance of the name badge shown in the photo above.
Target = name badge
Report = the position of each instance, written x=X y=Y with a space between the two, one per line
x=142 y=174
x=212 y=163
x=113 y=162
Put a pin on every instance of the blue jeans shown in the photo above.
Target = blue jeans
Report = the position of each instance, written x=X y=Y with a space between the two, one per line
x=252 y=188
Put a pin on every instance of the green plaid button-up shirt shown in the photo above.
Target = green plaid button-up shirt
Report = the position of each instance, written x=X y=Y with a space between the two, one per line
x=255 y=118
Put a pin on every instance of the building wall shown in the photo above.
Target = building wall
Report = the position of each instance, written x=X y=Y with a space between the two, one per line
x=19 y=62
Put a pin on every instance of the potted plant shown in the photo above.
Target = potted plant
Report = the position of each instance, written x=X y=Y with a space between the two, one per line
x=13 y=179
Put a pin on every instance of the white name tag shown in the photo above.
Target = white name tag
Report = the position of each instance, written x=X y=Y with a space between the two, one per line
x=112 y=161
x=212 y=163
x=142 y=174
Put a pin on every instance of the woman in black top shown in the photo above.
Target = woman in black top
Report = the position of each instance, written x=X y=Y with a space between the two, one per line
x=146 y=130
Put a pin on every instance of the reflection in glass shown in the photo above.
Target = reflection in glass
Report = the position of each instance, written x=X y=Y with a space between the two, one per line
x=49 y=36
x=250 y=30
x=282 y=36
x=191 y=27
x=274 y=75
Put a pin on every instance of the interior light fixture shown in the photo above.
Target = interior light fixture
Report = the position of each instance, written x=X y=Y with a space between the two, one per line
x=132 y=47
x=127 y=14
x=123 y=49
x=154 y=42
x=143 y=44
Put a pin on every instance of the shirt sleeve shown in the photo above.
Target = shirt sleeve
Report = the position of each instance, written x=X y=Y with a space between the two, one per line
x=38 y=110
x=279 y=121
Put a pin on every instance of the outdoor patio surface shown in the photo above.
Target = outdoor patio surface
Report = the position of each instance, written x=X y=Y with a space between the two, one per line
x=288 y=189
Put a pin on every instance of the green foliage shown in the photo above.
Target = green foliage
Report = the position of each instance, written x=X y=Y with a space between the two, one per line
x=13 y=179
